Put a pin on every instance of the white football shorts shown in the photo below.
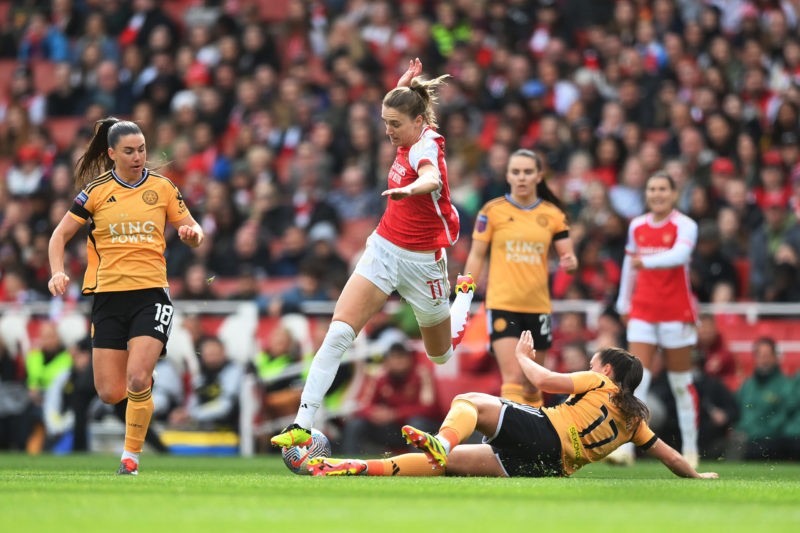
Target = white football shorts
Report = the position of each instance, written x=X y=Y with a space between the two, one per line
x=664 y=334
x=418 y=277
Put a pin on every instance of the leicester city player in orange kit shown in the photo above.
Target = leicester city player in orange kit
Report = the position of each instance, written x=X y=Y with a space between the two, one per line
x=127 y=207
x=600 y=414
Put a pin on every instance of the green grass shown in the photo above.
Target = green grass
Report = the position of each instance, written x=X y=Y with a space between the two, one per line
x=174 y=494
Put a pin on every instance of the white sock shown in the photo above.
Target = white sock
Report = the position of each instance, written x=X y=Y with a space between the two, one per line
x=445 y=443
x=644 y=386
x=459 y=315
x=441 y=359
x=130 y=455
x=323 y=370
x=686 y=403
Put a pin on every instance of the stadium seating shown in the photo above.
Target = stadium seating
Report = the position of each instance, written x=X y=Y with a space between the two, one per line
x=7 y=68
x=63 y=130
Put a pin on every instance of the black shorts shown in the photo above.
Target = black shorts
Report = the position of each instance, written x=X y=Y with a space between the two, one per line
x=119 y=316
x=510 y=324
x=526 y=442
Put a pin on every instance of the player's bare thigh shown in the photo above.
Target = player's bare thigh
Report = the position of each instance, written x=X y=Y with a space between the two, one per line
x=474 y=460
x=359 y=301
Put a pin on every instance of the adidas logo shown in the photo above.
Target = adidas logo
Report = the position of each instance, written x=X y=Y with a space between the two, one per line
x=159 y=328
x=112 y=199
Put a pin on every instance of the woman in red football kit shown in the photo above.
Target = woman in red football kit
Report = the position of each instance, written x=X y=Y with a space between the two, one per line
x=656 y=302
x=404 y=254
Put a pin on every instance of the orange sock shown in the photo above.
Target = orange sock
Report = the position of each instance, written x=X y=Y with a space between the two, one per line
x=459 y=423
x=513 y=392
x=137 y=419
x=409 y=464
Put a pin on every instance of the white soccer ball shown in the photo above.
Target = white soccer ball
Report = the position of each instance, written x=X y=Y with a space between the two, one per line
x=296 y=457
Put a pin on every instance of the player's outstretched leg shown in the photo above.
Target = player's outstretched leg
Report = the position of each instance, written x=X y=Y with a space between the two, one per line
x=427 y=443
x=328 y=466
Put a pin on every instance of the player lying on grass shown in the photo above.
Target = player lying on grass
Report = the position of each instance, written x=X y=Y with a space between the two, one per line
x=601 y=414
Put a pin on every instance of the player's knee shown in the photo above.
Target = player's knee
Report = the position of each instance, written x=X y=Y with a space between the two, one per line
x=442 y=359
x=110 y=394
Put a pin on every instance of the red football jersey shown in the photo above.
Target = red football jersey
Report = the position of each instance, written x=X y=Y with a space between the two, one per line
x=423 y=221
x=662 y=291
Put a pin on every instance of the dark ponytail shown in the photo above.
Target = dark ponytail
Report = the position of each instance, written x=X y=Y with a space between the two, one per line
x=628 y=373
x=95 y=160
x=542 y=190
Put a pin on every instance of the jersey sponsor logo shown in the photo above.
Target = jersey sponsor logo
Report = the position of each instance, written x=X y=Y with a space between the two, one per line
x=150 y=197
x=397 y=172
x=132 y=232
x=480 y=224
x=111 y=200
x=525 y=252
x=576 y=442
x=81 y=198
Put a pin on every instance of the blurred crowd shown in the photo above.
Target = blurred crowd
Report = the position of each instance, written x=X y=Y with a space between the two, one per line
x=267 y=117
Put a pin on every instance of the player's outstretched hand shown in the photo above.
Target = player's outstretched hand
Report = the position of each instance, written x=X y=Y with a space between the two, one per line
x=398 y=193
x=525 y=346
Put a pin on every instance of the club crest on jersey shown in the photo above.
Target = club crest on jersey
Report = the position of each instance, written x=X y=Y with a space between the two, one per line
x=150 y=197
x=81 y=198
x=480 y=224
x=542 y=221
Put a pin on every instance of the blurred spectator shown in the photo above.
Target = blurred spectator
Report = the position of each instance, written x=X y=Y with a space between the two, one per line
x=792 y=426
x=597 y=274
x=627 y=197
x=278 y=367
x=402 y=393
x=27 y=174
x=197 y=283
x=15 y=404
x=292 y=251
x=353 y=199
x=43 y=40
x=309 y=287
x=713 y=354
x=168 y=389
x=778 y=227
x=764 y=400
x=214 y=402
x=43 y=365
x=322 y=250
x=709 y=266
x=67 y=402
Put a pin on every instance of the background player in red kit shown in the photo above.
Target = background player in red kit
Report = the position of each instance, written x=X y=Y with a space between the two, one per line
x=656 y=302
x=405 y=253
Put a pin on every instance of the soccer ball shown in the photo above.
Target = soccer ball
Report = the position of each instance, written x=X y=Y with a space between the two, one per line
x=296 y=457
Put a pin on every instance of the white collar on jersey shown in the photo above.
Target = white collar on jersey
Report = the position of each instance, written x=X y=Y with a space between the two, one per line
x=145 y=173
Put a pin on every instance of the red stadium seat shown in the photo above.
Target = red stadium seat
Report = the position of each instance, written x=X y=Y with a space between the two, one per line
x=7 y=68
x=63 y=130
x=44 y=79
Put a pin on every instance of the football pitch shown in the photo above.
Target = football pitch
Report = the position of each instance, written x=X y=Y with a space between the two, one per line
x=174 y=494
